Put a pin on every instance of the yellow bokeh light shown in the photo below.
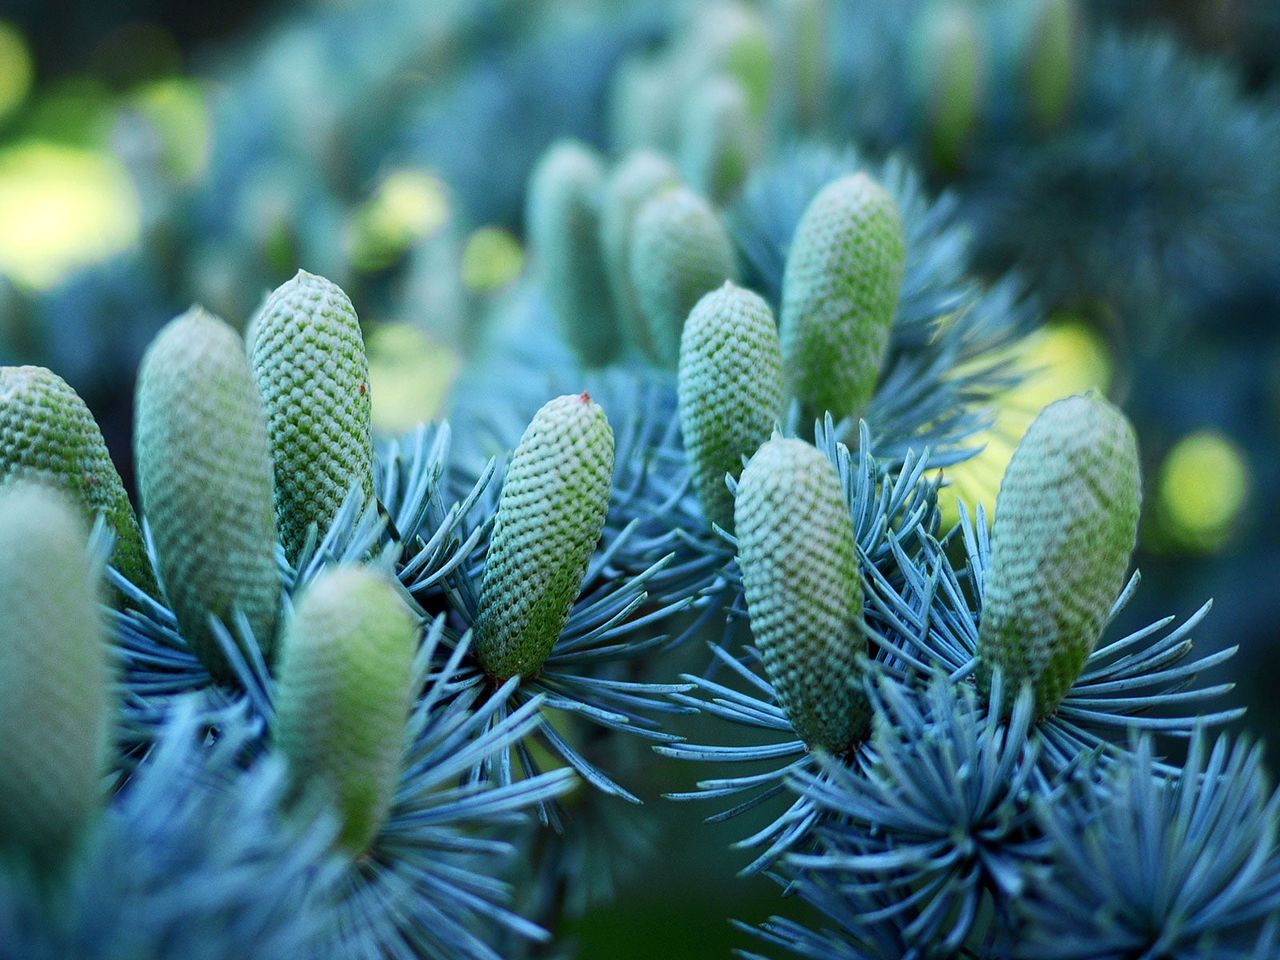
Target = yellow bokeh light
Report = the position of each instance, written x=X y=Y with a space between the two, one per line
x=1203 y=485
x=409 y=205
x=491 y=259
x=415 y=200
x=1063 y=358
x=176 y=108
x=16 y=69
x=64 y=207
x=410 y=376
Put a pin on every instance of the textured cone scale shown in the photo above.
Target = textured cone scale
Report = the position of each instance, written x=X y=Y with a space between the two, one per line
x=310 y=364
x=346 y=686
x=637 y=177
x=1051 y=61
x=54 y=678
x=804 y=597
x=45 y=429
x=204 y=474
x=718 y=138
x=950 y=66
x=679 y=251
x=550 y=518
x=563 y=220
x=730 y=388
x=839 y=295
x=1066 y=523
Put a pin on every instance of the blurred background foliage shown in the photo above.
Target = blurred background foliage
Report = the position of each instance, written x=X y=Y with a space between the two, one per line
x=154 y=153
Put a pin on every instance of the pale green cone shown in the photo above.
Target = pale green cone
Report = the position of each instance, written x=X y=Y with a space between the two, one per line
x=719 y=138
x=732 y=38
x=1065 y=526
x=643 y=92
x=679 y=251
x=637 y=177
x=801 y=28
x=948 y=58
x=730 y=389
x=563 y=221
x=204 y=475
x=804 y=596
x=550 y=517
x=839 y=295
x=46 y=430
x=310 y=365
x=1051 y=61
x=345 y=690
x=55 y=705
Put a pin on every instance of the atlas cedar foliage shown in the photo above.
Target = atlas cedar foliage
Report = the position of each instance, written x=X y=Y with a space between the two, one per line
x=947 y=744
x=549 y=520
x=47 y=431
x=730 y=390
x=346 y=674
x=204 y=476
x=839 y=294
x=55 y=717
x=310 y=365
x=804 y=596
x=1065 y=527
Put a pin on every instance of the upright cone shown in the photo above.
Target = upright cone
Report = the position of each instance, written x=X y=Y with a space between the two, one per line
x=46 y=430
x=1066 y=524
x=346 y=687
x=679 y=251
x=309 y=361
x=55 y=715
x=637 y=177
x=563 y=220
x=949 y=63
x=550 y=517
x=719 y=138
x=839 y=295
x=204 y=473
x=804 y=595
x=730 y=390
x=1051 y=63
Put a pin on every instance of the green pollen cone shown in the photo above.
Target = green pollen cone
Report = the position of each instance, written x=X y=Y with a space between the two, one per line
x=1051 y=61
x=54 y=676
x=309 y=360
x=642 y=91
x=949 y=65
x=719 y=138
x=804 y=596
x=636 y=178
x=550 y=517
x=732 y=38
x=204 y=474
x=730 y=389
x=1066 y=524
x=839 y=295
x=345 y=691
x=801 y=28
x=563 y=219
x=46 y=430
x=679 y=251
